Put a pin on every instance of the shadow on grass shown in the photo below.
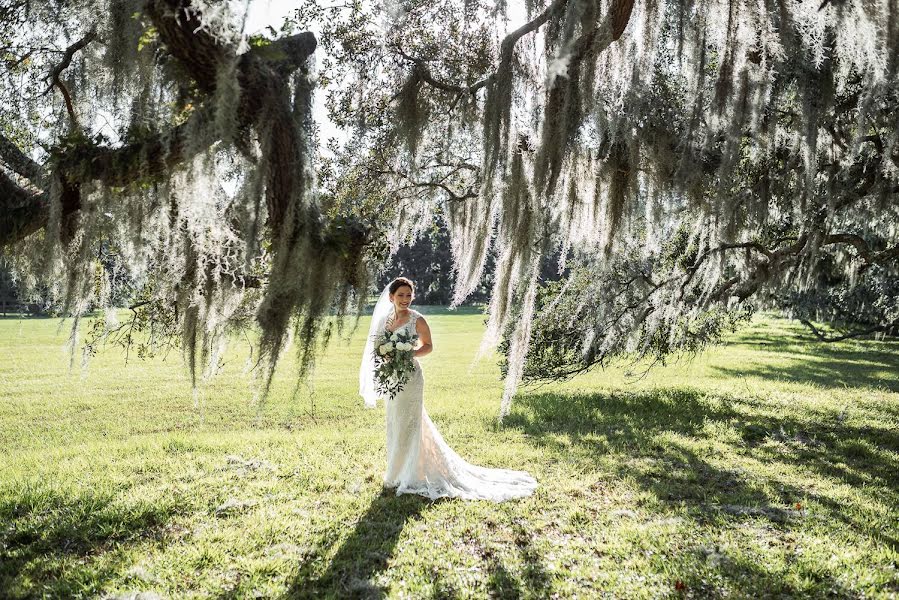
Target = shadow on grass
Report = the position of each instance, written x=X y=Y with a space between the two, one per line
x=651 y=438
x=752 y=579
x=364 y=553
x=533 y=581
x=44 y=529
x=870 y=364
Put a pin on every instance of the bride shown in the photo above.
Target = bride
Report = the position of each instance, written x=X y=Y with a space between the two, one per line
x=418 y=460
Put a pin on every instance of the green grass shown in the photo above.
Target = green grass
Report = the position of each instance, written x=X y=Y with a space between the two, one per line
x=769 y=467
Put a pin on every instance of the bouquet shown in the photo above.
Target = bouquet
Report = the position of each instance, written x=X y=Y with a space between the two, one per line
x=393 y=361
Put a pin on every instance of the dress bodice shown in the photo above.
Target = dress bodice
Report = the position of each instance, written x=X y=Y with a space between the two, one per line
x=410 y=324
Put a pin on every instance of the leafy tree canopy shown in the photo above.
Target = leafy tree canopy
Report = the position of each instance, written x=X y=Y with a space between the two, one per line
x=698 y=154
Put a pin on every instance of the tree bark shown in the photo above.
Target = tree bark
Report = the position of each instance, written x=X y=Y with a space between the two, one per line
x=24 y=212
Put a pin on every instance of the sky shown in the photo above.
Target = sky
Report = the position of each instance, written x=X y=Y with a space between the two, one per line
x=264 y=13
x=268 y=12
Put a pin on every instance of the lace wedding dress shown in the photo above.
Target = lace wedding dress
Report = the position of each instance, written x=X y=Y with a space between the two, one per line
x=420 y=462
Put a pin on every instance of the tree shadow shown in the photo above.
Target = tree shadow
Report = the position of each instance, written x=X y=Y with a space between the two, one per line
x=602 y=422
x=364 y=553
x=645 y=427
x=353 y=570
x=532 y=580
x=44 y=528
x=752 y=579
x=829 y=365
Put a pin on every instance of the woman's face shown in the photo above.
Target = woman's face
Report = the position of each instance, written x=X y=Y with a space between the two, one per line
x=402 y=298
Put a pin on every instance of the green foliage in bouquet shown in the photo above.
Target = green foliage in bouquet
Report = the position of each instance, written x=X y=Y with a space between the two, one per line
x=393 y=361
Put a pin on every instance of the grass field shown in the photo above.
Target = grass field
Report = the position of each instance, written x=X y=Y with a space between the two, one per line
x=766 y=468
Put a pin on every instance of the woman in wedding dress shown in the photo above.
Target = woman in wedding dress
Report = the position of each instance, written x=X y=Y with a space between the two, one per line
x=418 y=460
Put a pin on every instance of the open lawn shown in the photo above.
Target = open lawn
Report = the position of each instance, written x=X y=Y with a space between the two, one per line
x=766 y=468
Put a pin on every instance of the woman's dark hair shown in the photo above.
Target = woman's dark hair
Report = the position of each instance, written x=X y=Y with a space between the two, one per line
x=400 y=282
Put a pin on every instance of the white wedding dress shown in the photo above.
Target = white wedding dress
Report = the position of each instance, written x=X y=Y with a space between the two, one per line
x=420 y=462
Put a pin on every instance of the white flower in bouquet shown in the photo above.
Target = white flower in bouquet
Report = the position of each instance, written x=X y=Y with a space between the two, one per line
x=393 y=361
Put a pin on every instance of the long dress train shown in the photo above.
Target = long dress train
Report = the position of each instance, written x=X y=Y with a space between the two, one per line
x=420 y=462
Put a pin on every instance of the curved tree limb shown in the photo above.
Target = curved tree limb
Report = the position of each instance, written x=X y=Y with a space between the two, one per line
x=886 y=327
x=56 y=79
x=615 y=22
x=24 y=212
x=507 y=52
x=863 y=250
x=19 y=162
x=262 y=75
x=452 y=196
x=288 y=53
x=149 y=158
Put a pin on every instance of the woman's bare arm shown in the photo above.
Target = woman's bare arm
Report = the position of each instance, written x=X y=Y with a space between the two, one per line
x=424 y=338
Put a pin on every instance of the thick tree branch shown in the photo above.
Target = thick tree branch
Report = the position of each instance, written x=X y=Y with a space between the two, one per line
x=24 y=212
x=863 y=249
x=700 y=260
x=607 y=30
x=562 y=114
x=19 y=162
x=884 y=256
x=181 y=30
x=147 y=159
x=776 y=260
x=264 y=96
x=886 y=327
x=287 y=54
